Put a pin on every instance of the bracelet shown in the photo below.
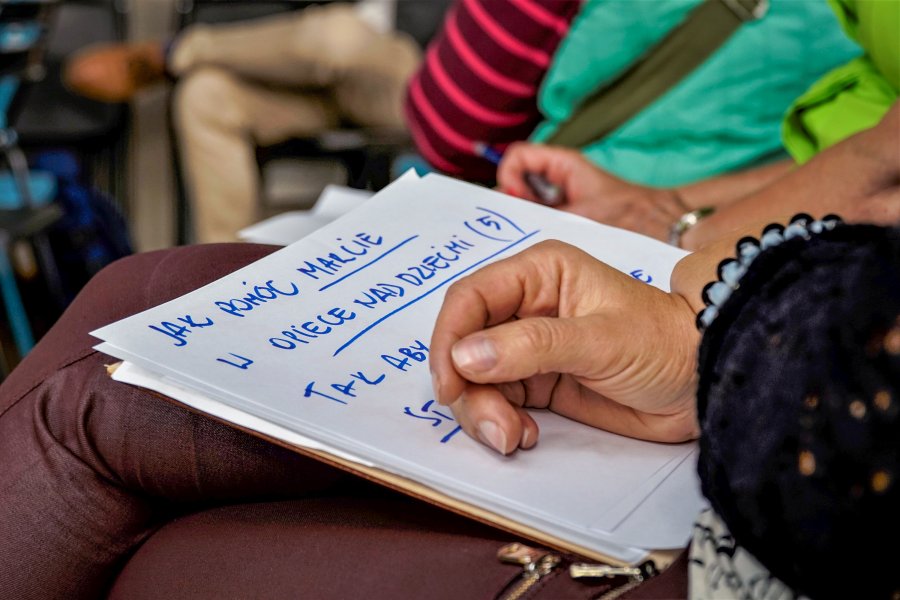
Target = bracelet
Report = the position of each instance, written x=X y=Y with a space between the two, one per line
x=730 y=270
x=685 y=222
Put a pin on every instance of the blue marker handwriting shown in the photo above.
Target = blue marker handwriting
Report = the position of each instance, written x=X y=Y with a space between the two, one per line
x=344 y=391
x=179 y=331
x=444 y=258
x=256 y=296
x=435 y=287
x=361 y=251
x=415 y=275
x=331 y=263
x=242 y=362
x=436 y=417
x=293 y=336
x=641 y=276
x=415 y=352
x=494 y=226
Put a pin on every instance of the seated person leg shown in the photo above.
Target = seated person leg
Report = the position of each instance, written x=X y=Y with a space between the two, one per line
x=371 y=91
x=219 y=119
x=91 y=467
x=308 y=49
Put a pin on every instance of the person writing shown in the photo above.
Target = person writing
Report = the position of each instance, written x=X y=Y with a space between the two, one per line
x=849 y=99
x=793 y=393
x=523 y=317
x=92 y=469
x=260 y=82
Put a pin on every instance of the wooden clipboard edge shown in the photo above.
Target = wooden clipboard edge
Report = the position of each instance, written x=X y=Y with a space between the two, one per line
x=662 y=558
x=404 y=485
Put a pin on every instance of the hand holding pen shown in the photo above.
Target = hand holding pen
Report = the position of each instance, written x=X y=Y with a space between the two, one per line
x=588 y=190
x=548 y=193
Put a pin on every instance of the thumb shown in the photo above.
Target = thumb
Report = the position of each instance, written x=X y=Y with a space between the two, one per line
x=521 y=349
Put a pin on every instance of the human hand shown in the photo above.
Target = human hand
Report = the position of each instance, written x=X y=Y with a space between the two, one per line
x=554 y=328
x=590 y=191
x=880 y=208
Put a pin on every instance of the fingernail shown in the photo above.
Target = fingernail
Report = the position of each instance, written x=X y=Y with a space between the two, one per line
x=490 y=434
x=526 y=439
x=476 y=354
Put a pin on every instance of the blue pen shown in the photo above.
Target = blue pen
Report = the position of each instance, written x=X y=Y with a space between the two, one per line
x=547 y=193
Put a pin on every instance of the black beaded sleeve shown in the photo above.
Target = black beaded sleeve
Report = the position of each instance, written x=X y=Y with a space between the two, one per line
x=799 y=406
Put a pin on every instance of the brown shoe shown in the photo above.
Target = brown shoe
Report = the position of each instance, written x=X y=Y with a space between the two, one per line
x=115 y=72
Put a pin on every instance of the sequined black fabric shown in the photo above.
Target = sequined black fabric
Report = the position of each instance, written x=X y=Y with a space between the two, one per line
x=799 y=404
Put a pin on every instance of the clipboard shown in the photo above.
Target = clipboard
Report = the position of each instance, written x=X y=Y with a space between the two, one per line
x=362 y=394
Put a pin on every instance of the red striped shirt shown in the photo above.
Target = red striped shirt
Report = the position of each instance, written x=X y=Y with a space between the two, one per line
x=480 y=78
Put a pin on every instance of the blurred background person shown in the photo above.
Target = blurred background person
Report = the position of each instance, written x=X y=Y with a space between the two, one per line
x=850 y=98
x=723 y=115
x=260 y=82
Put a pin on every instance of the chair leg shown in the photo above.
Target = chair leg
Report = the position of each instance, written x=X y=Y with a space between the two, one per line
x=15 y=309
x=50 y=270
x=19 y=166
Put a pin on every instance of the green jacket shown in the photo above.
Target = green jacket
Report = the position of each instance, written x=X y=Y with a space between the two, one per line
x=854 y=96
x=726 y=115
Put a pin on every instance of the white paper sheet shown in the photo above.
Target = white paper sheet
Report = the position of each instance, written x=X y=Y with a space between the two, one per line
x=135 y=375
x=328 y=338
x=288 y=227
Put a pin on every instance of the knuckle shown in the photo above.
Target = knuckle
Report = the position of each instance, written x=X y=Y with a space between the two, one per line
x=549 y=246
x=456 y=290
x=540 y=336
x=556 y=250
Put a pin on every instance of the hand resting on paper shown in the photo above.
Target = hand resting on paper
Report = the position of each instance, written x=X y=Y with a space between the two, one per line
x=590 y=191
x=554 y=328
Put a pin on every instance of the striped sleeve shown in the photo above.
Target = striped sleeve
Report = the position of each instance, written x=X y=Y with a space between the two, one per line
x=479 y=80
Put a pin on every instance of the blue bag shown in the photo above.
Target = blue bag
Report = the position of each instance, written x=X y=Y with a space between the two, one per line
x=93 y=231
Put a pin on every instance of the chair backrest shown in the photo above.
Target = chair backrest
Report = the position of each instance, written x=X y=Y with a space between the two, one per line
x=53 y=115
x=23 y=41
x=421 y=19
x=23 y=35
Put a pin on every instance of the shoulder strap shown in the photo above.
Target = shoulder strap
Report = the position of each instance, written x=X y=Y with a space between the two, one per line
x=680 y=52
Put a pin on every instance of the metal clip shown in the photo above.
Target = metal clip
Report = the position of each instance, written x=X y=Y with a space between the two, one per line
x=535 y=565
x=639 y=573
x=520 y=554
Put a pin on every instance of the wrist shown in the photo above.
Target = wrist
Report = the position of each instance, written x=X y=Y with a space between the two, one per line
x=694 y=271
x=730 y=271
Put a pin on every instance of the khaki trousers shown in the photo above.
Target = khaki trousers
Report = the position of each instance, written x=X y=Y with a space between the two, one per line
x=268 y=80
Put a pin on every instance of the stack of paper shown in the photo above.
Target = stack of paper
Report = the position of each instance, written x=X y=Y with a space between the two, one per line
x=325 y=344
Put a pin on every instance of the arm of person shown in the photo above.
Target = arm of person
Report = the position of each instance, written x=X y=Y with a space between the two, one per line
x=554 y=328
x=591 y=192
x=857 y=179
x=724 y=189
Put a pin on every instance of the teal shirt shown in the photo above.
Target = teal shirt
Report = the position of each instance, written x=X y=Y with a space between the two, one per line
x=724 y=116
